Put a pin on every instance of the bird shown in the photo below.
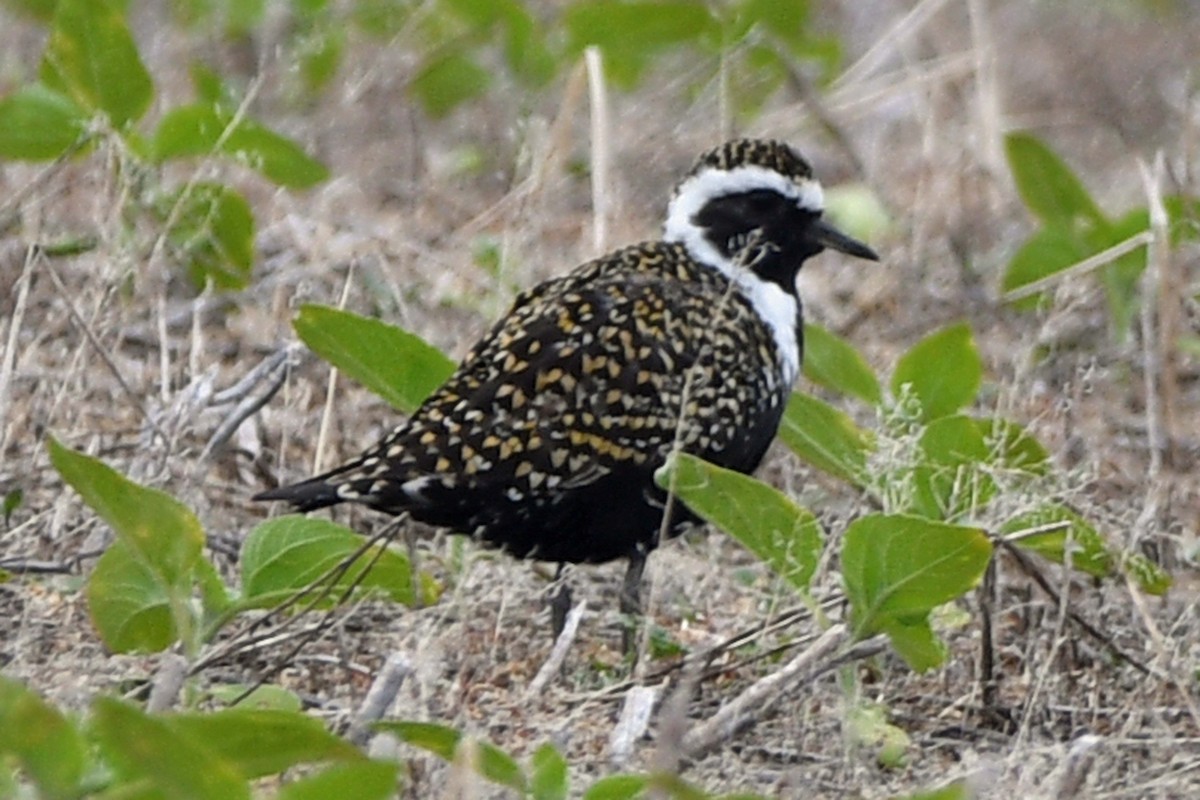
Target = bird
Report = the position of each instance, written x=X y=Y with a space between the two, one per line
x=545 y=440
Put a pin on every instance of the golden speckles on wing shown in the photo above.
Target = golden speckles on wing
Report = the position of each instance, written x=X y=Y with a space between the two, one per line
x=586 y=375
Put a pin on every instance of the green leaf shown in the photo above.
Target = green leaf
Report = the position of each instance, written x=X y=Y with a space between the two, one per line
x=1152 y=578
x=160 y=531
x=266 y=696
x=549 y=778
x=130 y=608
x=12 y=501
x=285 y=555
x=1047 y=185
x=1012 y=448
x=1089 y=551
x=41 y=10
x=142 y=747
x=488 y=760
x=782 y=534
x=617 y=787
x=41 y=740
x=361 y=780
x=1122 y=276
x=951 y=791
x=38 y=123
x=92 y=58
x=826 y=438
x=832 y=362
x=206 y=129
x=214 y=231
x=444 y=83
x=525 y=47
x=398 y=366
x=786 y=19
x=1048 y=251
x=949 y=481
x=262 y=742
x=897 y=568
x=631 y=32
x=916 y=643
x=944 y=370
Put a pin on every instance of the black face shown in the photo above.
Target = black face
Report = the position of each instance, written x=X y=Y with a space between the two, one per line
x=785 y=232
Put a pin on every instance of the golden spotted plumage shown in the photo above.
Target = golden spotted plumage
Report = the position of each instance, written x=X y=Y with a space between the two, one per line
x=546 y=438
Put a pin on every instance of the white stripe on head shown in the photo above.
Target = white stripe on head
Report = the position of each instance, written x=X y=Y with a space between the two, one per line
x=695 y=192
x=777 y=307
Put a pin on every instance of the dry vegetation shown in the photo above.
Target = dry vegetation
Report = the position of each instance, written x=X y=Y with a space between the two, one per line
x=98 y=350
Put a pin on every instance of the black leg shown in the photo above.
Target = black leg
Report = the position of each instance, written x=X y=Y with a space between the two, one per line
x=560 y=601
x=631 y=600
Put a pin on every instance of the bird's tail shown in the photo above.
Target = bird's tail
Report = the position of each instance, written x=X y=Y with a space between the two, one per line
x=309 y=495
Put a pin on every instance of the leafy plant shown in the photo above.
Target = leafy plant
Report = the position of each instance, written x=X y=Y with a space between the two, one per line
x=93 y=93
x=937 y=472
x=153 y=587
x=120 y=750
x=1074 y=228
x=463 y=47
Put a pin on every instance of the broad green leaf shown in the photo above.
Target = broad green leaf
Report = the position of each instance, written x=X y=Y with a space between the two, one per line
x=215 y=233
x=207 y=129
x=617 y=787
x=630 y=32
x=786 y=19
x=944 y=370
x=826 y=438
x=1152 y=578
x=950 y=480
x=1122 y=276
x=951 y=791
x=488 y=760
x=832 y=362
x=548 y=775
x=1048 y=186
x=916 y=643
x=268 y=696
x=525 y=47
x=319 y=53
x=1089 y=551
x=140 y=746
x=398 y=366
x=1046 y=252
x=130 y=608
x=962 y=457
x=45 y=744
x=159 y=530
x=782 y=534
x=441 y=740
x=446 y=82
x=41 y=10
x=91 y=57
x=262 y=742
x=361 y=780
x=215 y=597
x=897 y=568
x=38 y=123
x=1012 y=448
x=285 y=555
